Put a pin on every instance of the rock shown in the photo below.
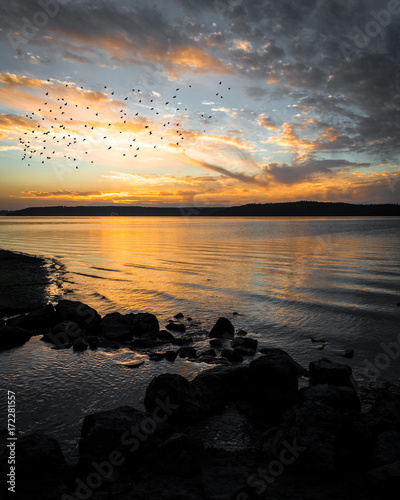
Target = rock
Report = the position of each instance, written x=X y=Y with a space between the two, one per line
x=302 y=372
x=207 y=353
x=273 y=381
x=387 y=448
x=327 y=372
x=85 y=316
x=125 y=432
x=223 y=329
x=145 y=343
x=165 y=335
x=232 y=355
x=107 y=343
x=235 y=313
x=182 y=341
x=210 y=360
x=386 y=479
x=348 y=354
x=187 y=352
x=63 y=333
x=92 y=341
x=224 y=483
x=216 y=343
x=177 y=391
x=247 y=342
x=340 y=398
x=41 y=470
x=241 y=332
x=13 y=336
x=171 y=355
x=37 y=320
x=178 y=316
x=116 y=327
x=79 y=345
x=385 y=412
x=143 y=323
x=157 y=356
x=244 y=351
x=189 y=318
x=180 y=455
x=176 y=327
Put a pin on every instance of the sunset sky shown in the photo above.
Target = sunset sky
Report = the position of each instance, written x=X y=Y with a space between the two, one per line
x=247 y=101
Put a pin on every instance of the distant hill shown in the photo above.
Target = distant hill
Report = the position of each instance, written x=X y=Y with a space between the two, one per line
x=297 y=208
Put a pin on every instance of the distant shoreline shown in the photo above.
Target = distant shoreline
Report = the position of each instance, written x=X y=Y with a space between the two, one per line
x=290 y=209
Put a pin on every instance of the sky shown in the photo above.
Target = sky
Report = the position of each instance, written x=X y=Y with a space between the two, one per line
x=189 y=102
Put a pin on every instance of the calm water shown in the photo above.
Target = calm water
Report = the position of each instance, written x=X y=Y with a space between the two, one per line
x=336 y=280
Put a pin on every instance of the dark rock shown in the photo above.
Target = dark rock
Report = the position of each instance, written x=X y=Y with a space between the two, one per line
x=108 y=343
x=244 y=351
x=176 y=327
x=13 y=336
x=208 y=352
x=189 y=318
x=79 y=345
x=116 y=327
x=92 y=341
x=86 y=317
x=165 y=335
x=178 y=316
x=235 y=313
x=224 y=483
x=273 y=381
x=302 y=372
x=223 y=329
x=232 y=356
x=145 y=343
x=171 y=355
x=182 y=341
x=41 y=470
x=348 y=354
x=157 y=356
x=143 y=323
x=187 y=352
x=216 y=343
x=180 y=455
x=386 y=479
x=387 y=448
x=340 y=398
x=177 y=391
x=211 y=360
x=37 y=320
x=241 y=332
x=385 y=412
x=247 y=342
x=327 y=372
x=63 y=333
x=125 y=431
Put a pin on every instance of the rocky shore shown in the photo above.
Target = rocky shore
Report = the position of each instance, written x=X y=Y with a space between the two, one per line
x=307 y=443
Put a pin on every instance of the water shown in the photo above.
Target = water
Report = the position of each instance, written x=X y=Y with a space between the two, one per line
x=335 y=280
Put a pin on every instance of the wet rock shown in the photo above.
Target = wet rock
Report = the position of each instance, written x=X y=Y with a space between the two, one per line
x=182 y=341
x=327 y=372
x=79 y=345
x=224 y=483
x=116 y=327
x=273 y=381
x=176 y=327
x=387 y=448
x=232 y=356
x=165 y=335
x=247 y=342
x=85 y=316
x=37 y=320
x=178 y=316
x=177 y=391
x=222 y=329
x=217 y=343
x=108 y=343
x=171 y=355
x=187 y=352
x=384 y=415
x=210 y=360
x=301 y=371
x=180 y=455
x=41 y=470
x=143 y=323
x=189 y=318
x=13 y=336
x=92 y=341
x=348 y=354
x=241 y=332
x=63 y=333
x=123 y=435
x=340 y=398
x=207 y=353
x=386 y=479
x=244 y=351
x=145 y=343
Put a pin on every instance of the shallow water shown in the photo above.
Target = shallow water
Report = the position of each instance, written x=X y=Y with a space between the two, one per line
x=336 y=280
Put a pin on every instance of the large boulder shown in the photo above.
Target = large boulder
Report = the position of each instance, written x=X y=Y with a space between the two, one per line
x=85 y=316
x=176 y=390
x=143 y=323
x=36 y=321
x=13 y=336
x=222 y=329
x=124 y=436
x=116 y=327
x=41 y=470
x=340 y=398
x=273 y=381
x=325 y=371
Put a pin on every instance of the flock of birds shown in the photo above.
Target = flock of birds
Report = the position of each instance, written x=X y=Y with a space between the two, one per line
x=63 y=131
